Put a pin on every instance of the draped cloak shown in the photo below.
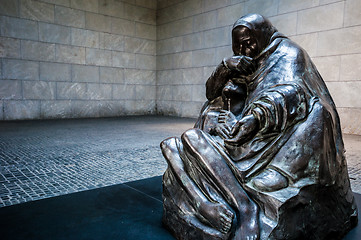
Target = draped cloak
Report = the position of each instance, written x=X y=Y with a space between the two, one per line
x=291 y=102
x=299 y=132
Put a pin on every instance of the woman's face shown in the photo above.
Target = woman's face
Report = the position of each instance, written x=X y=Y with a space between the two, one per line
x=243 y=42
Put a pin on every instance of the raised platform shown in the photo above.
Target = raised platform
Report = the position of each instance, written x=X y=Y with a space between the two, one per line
x=131 y=210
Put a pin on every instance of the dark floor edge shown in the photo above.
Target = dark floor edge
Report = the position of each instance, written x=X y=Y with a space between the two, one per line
x=126 y=184
x=142 y=192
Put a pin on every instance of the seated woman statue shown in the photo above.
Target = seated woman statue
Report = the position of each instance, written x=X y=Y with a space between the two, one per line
x=265 y=159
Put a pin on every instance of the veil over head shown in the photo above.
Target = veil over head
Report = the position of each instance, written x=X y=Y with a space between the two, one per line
x=259 y=26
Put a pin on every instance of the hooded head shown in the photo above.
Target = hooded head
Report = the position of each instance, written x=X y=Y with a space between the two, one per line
x=251 y=34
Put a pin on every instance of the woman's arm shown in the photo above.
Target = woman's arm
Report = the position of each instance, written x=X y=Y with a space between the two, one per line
x=227 y=69
x=216 y=81
x=274 y=111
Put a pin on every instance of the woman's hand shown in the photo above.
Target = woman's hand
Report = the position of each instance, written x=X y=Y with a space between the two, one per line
x=223 y=130
x=242 y=64
x=226 y=121
x=227 y=117
x=242 y=131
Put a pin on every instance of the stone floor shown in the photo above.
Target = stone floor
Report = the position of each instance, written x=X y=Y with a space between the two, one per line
x=114 y=212
x=41 y=159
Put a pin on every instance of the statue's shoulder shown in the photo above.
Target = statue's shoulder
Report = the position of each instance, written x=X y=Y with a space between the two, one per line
x=292 y=50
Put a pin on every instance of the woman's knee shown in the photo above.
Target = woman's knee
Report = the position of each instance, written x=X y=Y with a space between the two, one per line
x=193 y=137
x=170 y=145
x=168 y=142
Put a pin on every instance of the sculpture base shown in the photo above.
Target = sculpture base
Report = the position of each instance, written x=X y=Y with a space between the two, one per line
x=313 y=212
x=316 y=213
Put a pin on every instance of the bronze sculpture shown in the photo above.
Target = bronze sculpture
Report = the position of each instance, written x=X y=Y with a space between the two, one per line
x=265 y=159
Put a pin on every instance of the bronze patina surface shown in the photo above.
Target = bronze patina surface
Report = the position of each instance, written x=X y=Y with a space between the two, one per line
x=265 y=160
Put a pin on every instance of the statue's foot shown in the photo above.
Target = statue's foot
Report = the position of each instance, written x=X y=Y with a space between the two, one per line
x=218 y=215
x=270 y=180
x=248 y=228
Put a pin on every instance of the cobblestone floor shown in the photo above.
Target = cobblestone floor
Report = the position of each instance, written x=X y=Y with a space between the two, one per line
x=40 y=159
x=353 y=156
